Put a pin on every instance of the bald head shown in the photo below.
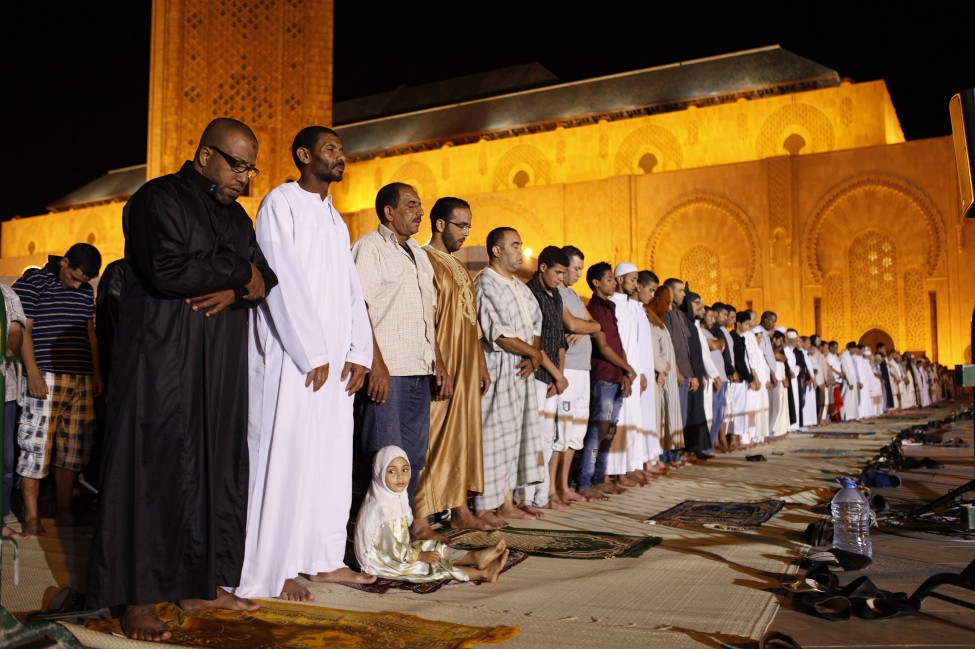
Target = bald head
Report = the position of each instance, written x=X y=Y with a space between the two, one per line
x=220 y=131
x=226 y=156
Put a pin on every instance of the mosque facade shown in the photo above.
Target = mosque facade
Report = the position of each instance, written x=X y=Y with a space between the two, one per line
x=790 y=190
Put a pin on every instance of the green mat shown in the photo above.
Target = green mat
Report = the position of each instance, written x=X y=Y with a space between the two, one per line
x=718 y=515
x=558 y=544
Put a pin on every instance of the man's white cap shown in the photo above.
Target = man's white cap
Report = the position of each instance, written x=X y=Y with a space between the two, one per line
x=791 y=335
x=780 y=329
x=625 y=267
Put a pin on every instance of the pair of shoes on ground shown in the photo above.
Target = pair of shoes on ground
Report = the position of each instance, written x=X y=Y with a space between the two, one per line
x=755 y=458
x=879 y=478
x=822 y=597
x=924 y=463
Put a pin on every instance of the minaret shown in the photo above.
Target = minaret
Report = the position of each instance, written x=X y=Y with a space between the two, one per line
x=267 y=63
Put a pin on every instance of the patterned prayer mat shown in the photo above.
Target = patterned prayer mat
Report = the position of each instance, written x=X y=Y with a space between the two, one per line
x=836 y=433
x=382 y=585
x=558 y=544
x=281 y=625
x=830 y=452
x=718 y=515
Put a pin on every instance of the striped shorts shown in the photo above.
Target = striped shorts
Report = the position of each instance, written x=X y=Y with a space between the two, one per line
x=64 y=421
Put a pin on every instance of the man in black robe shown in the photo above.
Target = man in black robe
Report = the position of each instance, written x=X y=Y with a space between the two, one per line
x=174 y=477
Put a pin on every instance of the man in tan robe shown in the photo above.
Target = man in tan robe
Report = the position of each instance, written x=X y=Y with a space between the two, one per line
x=454 y=466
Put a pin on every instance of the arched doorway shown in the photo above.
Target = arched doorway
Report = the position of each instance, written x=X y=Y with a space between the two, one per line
x=874 y=336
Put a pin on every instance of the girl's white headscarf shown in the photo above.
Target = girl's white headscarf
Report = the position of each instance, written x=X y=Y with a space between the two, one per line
x=381 y=504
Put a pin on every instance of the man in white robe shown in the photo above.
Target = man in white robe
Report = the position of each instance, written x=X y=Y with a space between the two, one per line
x=628 y=450
x=647 y=283
x=759 y=400
x=309 y=347
x=852 y=384
x=763 y=336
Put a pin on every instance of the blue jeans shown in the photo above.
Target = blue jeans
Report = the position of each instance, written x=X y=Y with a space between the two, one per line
x=717 y=407
x=9 y=432
x=404 y=421
x=605 y=401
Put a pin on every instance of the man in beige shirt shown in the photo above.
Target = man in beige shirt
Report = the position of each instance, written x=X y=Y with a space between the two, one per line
x=397 y=284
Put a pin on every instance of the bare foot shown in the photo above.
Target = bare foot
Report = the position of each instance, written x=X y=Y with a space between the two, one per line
x=506 y=511
x=570 y=497
x=295 y=592
x=343 y=575
x=427 y=533
x=33 y=528
x=554 y=502
x=142 y=623
x=487 y=556
x=533 y=512
x=11 y=533
x=630 y=480
x=461 y=518
x=492 y=572
x=223 y=600
x=489 y=517
x=610 y=487
x=594 y=494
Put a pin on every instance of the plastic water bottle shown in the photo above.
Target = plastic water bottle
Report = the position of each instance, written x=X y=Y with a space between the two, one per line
x=851 y=519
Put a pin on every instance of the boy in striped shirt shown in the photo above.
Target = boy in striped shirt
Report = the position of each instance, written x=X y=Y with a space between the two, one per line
x=60 y=355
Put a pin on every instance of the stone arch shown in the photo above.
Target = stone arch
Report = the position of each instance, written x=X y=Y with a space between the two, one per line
x=702 y=219
x=915 y=310
x=834 y=307
x=873 y=282
x=881 y=202
x=871 y=337
x=522 y=157
x=656 y=140
x=700 y=270
x=494 y=211
x=804 y=120
x=422 y=178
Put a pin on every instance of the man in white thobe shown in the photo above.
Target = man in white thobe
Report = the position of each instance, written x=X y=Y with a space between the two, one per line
x=309 y=347
x=629 y=450
x=853 y=385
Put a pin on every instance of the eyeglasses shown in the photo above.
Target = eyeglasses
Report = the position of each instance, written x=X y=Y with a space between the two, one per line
x=237 y=165
x=462 y=226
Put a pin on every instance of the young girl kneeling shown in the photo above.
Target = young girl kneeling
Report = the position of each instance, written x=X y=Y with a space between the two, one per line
x=382 y=534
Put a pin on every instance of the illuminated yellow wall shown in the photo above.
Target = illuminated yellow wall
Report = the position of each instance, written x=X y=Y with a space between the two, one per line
x=860 y=226
x=267 y=64
x=832 y=119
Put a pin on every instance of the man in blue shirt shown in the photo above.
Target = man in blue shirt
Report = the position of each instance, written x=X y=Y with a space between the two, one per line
x=60 y=354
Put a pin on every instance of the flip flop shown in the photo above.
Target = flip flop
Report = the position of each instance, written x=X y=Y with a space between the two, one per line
x=879 y=608
x=755 y=458
x=819 y=533
x=835 y=608
x=850 y=560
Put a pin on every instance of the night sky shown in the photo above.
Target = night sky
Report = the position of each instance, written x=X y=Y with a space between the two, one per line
x=77 y=75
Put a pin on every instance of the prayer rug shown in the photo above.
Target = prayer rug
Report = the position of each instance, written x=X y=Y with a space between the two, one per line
x=830 y=452
x=281 y=625
x=718 y=515
x=557 y=544
x=382 y=585
x=854 y=434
